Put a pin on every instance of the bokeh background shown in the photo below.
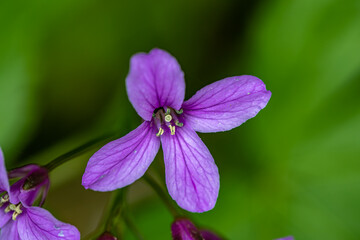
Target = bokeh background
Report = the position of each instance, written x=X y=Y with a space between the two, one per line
x=292 y=170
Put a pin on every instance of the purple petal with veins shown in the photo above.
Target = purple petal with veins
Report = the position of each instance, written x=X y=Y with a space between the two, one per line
x=123 y=161
x=155 y=80
x=192 y=177
x=10 y=231
x=226 y=104
x=37 y=223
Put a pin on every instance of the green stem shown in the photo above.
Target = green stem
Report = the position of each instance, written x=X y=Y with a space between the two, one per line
x=116 y=207
x=161 y=193
x=130 y=224
x=74 y=153
x=119 y=209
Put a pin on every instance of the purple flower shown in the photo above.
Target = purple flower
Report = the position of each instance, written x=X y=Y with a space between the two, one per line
x=286 y=238
x=184 y=229
x=156 y=88
x=19 y=220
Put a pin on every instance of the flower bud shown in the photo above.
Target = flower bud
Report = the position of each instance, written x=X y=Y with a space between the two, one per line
x=33 y=182
x=107 y=236
x=184 y=229
x=208 y=235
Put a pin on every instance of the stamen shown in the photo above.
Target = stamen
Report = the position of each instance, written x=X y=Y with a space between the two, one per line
x=172 y=129
x=179 y=111
x=161 y=132
x=17 y=210
x=179 y=124
x=4 y=199
x=7 y=209
x=14 y=216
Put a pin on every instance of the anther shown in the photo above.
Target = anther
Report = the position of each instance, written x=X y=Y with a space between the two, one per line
x=172 y=129
x=4 y=199
x=161 y=132
x=17 y=210
x=14 y=216
x=179 y=124
x=7 y=209
x=179 y=111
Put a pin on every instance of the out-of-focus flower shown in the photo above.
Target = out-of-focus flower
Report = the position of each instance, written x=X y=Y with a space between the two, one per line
x=208 y=235
x=107 y=236
x=19 y=220
x=286 y=238
x=156 y=88
x=184 y=229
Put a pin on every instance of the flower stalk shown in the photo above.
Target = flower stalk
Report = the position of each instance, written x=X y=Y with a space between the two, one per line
x=76 y=152
x=161 y=193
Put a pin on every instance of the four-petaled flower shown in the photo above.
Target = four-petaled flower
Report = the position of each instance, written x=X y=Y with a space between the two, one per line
x=19 y=220
x=156 y=88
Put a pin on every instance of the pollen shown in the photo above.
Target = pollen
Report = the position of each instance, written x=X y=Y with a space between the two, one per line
x=161 y=132
x=172 y=129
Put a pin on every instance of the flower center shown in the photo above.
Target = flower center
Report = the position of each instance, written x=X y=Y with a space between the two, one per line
x=16 y=208
x=168 y=118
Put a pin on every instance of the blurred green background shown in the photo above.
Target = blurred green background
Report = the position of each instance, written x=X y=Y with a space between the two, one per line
x=292 y=170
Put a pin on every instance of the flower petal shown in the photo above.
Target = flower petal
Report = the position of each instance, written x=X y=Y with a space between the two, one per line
x=37 y=223
x=123 y=161
x=192 y=177
x=155 y=80
x=10 y=231
x=4 y=217
x=226 y=104
x=4 y=181
x=23 y=171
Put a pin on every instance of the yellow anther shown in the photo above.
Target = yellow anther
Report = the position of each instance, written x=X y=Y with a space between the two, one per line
x=7 y=209
x=172 y=129
x=17 y=208
x=168 y=118
x=4 y=199
x=161 y=132
x=14 y=216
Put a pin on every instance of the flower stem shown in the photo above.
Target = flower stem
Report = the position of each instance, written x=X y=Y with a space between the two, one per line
x=130 y=224
x=161 y=193
x=75 y=152
x=119 y=210
x=116 y=208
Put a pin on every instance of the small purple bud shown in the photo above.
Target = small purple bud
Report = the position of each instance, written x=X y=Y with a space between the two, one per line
x=286 y=238
x=33 y=182
x=208 y=235
x=184 y=229
x=107 y=236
